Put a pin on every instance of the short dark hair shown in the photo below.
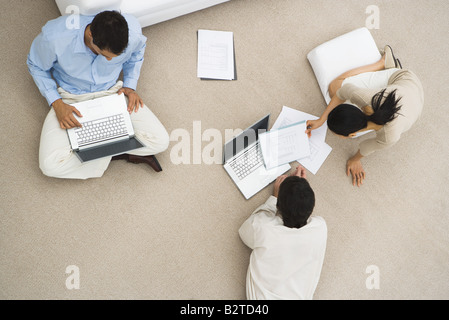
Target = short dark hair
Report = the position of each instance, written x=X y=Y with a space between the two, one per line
x=346 y=118
x=110 y=31
x=295 y=202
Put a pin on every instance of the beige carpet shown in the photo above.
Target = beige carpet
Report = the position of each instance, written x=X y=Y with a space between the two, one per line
x=136 y=234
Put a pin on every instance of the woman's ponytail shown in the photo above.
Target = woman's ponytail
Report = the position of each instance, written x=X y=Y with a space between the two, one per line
x=386 y=111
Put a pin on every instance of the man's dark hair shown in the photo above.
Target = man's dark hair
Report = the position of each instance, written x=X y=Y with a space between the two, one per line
x=110 y=31
x=296 y=201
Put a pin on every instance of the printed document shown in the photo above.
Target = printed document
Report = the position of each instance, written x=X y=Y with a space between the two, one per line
x=284 y=145
x=216 y=55
x=319 y=149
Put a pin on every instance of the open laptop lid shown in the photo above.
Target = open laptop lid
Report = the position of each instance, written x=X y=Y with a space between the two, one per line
x=245 y=139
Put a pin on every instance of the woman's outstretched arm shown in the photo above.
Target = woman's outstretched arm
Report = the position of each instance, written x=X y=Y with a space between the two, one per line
x=333 y=88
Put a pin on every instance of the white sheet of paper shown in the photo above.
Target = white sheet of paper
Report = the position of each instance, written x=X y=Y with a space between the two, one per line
x=319 y=149
x=215 y=55
x=284 y=145
x=289 y=116
x=318 y=155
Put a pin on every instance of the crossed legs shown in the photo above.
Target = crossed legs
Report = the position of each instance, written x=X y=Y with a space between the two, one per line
x=56 y=158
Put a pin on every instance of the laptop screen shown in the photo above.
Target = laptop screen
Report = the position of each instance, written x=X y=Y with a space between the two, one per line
x=246 y=138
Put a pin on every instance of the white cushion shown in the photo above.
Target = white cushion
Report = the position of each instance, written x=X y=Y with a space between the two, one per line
x=140 y=8
x=333 y=58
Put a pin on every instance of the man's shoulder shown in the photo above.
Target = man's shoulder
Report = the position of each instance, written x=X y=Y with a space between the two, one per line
x=316 y=221
x=54 y=25
x=64 y=26
x=133 y=23
x=317 y=225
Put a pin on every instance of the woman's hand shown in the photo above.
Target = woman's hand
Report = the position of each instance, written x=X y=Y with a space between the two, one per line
x=134 y=101
x=312 y=125
x=354 y=167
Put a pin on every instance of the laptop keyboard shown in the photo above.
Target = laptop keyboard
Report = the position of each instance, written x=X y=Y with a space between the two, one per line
x=247 y=162
x=101 y=129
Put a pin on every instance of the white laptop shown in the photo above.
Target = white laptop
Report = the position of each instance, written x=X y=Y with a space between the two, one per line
x=243 y=161
x=106 y=129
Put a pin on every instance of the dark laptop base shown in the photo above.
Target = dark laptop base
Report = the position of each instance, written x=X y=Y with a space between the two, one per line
x=107 y=150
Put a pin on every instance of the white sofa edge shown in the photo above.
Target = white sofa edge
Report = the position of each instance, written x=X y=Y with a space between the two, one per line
x=168 y=14
x=89 y=7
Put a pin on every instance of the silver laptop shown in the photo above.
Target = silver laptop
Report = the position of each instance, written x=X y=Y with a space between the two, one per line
x=243 y=161
x=106 y=129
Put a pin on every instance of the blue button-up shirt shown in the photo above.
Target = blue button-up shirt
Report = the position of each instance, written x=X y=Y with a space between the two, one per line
x=59 y=54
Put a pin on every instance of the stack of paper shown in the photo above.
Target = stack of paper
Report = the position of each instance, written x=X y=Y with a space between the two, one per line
x=216 y=55
x=319 y=149
x=284 y=145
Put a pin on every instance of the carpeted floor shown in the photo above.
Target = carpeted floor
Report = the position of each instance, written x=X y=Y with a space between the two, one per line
x=137 y=234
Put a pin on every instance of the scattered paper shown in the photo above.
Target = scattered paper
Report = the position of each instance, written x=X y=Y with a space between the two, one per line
x=284 y=145
x=319 y=149
x=318 y=154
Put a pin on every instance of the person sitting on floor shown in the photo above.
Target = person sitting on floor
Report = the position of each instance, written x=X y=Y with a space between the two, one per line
x=389 y=101
x=288 y=245
x=71 y=64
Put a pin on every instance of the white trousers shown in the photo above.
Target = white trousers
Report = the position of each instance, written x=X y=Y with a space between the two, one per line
x=371 y=80
x=56 y=158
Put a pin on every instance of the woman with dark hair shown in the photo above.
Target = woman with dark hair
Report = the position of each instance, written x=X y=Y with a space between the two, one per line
x=380 y=97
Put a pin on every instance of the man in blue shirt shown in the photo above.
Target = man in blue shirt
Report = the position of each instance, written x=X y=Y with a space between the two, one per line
x=72 y=64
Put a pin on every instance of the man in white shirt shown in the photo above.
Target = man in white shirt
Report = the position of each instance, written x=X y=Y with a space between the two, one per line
x=288 y=245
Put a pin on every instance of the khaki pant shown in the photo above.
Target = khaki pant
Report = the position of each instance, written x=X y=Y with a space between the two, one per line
x=56 y=158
